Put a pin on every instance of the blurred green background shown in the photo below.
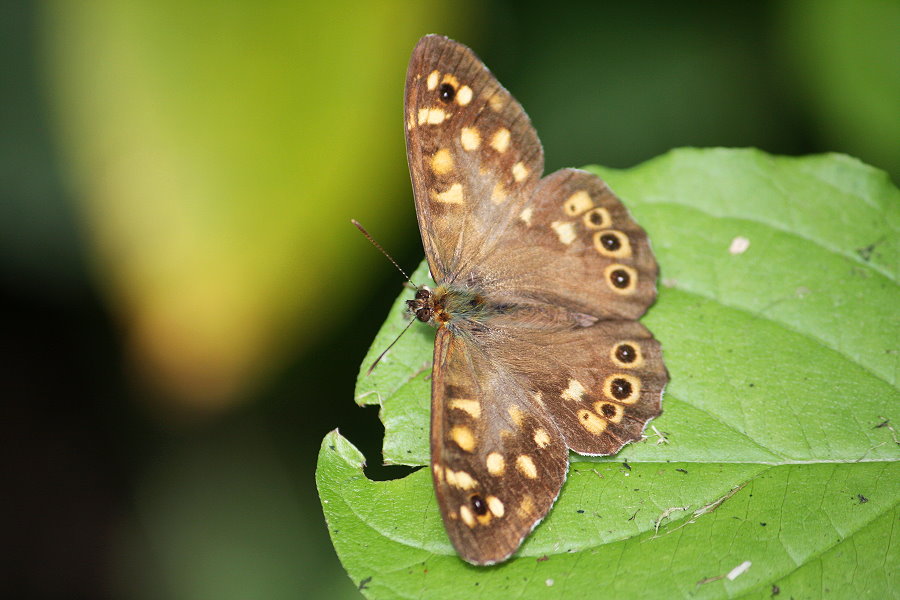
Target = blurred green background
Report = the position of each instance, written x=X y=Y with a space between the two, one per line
x=185 y=304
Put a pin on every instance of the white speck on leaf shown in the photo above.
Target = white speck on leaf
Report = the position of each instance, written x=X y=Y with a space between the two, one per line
x=738 y=570
x=739 y=245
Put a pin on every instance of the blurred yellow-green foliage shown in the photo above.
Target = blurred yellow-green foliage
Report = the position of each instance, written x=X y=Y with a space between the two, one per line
x=185 y=302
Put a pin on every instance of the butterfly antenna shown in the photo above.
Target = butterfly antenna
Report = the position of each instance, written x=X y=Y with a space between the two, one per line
x=383 y=251
x=380 y=356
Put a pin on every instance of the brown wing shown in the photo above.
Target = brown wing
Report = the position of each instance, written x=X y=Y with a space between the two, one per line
x=498 y=461
x=574 y=245
x=557 y=359
x=473 y=154
x=600 y=385
x=484 y=213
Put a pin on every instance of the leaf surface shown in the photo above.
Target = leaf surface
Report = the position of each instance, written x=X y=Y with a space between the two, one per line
x=776 y=445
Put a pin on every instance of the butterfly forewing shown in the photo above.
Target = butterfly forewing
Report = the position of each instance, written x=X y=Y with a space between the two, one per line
x=472 y=153
x=539 y=285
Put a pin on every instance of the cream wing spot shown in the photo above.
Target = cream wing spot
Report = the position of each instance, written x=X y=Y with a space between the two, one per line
x=496 y=102
x=496 y=465
x=464 y=95
x=525 y=215
x=463 y=437
x=495 y=506
x=526 y=506
x=450 y=476
x=541 y=438
x=442 y=162
x=591 y=422
x=460 y=479
x=471 y=407
x=466 y=514
x=578 y=203
x=574 y=392
x=526 y=466
x=500 y=140
x=453 y=195
x=438 y=472
x=516 y=414
x=432 y=116
x=470 y=139
x=498 y=194
x=436 y=116
x=520 y=171
x=565 y=231
x=433 y=80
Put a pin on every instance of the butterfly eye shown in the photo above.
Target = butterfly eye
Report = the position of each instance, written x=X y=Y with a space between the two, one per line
x=422 y=294
x=479 y=506
x=446 y=93
x=424 y=314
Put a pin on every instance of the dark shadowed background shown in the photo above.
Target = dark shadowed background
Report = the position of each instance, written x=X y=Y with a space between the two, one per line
x=185 y=304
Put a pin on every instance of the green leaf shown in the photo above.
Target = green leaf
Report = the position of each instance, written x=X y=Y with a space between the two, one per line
x=777 y=444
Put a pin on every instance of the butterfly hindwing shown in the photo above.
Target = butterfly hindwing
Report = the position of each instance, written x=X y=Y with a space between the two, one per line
x=600 y=385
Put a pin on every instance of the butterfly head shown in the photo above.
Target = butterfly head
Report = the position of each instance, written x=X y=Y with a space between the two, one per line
x=437 y=306
x=422 y=306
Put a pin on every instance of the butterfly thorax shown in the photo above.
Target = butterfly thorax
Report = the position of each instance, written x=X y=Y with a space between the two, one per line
x=447 y=305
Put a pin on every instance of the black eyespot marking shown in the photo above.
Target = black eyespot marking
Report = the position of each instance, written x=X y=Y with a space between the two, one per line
x=626 y=353
x=620 y=388
x=620 y=278
x=446 y=93
x=597 y=218
x=609 y=411
x=479 y=506
x=610 y=241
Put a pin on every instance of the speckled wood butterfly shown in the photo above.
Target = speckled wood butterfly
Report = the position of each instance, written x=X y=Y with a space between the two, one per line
x=539 y=285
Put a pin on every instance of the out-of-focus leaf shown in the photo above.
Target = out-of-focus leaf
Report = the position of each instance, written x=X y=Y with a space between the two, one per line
x=843 y=57
x=217 y=152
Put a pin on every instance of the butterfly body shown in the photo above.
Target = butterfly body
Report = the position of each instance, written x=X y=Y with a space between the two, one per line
x=539 y=285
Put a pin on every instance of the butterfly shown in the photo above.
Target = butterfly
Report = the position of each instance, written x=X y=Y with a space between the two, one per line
x=539 y=285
